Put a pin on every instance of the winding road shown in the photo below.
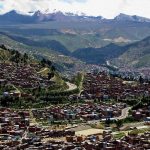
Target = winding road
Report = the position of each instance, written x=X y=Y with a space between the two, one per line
x=124 y=113
x=45 y=69
x=71 y=86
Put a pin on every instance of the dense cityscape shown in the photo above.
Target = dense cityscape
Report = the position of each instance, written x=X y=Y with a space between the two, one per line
x=109 y=111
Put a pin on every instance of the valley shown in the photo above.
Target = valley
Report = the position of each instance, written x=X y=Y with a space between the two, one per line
x=73 y=36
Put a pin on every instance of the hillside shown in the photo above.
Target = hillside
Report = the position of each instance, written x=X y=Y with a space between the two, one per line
x=70 y=36
x=26 y=81
x=135 y=55
x=130 y=54
x=4 y=55
x=13 y=56
x=99 y=55
x=44 y=68
x=62 y=62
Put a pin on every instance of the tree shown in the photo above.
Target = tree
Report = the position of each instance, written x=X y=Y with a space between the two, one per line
x=3 y=47
x=25 y=58
x=50 y=75
x=43 y=62
x=107 y=122
x=119 y=123
x=49 y=62
x=53 y=68
x=141 y=79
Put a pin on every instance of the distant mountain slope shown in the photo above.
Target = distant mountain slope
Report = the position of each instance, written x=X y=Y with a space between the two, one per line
x=132 y=55
x=50 y=44
x=77 y=35
x=67 y=32
x=135 y=55
x=13 y=17
x=124 y=17
x=99 y=55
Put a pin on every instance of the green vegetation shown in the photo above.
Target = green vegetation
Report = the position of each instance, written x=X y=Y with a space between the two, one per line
x=139 y=131
x=145 y=101
x=119 y=135
x=99 y=125
x=119 y=123
x=129 y=119
x=78 y=80
x=7 y=87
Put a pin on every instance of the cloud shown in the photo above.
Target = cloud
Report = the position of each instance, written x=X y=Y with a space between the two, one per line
x=1 y=6
x=71 y=1
x=105 y=8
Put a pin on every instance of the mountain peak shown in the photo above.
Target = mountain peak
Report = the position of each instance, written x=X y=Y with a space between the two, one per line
x=12 y=12
x=135 y=18
x=38 y=13
x=123 y=17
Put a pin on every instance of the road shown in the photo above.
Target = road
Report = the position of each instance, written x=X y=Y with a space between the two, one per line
x=32 y=118
x=45 y=69
x=109 y=64
x=17 y=90
x=124 y=113
x=71 y=86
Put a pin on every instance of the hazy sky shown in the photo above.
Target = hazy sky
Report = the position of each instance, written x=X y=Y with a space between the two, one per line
x=105 y=8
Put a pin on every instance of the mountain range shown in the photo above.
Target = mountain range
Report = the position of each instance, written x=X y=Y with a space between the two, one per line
x=38 y=16
x=68 y=38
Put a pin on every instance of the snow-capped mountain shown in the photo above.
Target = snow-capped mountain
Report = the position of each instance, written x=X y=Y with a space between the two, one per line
x=124 y=17
x=38 y=16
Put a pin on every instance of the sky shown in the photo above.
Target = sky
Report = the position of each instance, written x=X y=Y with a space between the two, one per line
x=106 y=8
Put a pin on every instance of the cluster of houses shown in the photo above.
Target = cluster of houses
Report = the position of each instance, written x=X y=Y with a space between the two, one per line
x=132 y=141
x=134 y=73
x=104 y=86
x=145 y=72
x=142 y=114
x=12 y=126
x=86 y=112
x=16 y=132
x=23 y=77
x=107 y=142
